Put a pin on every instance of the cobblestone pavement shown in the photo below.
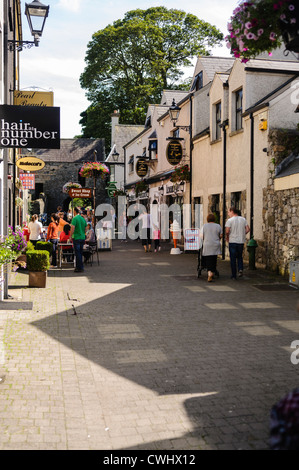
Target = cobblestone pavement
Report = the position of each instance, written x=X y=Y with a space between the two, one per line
x=139 y=353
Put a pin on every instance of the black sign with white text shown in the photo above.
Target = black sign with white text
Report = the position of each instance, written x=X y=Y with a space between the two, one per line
x=29 y=127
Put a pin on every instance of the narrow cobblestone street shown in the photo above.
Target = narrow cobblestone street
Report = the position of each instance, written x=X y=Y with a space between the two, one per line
x=140 y=353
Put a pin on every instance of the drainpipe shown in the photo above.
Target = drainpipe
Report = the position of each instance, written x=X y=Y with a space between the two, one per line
x=251 y=172
x=190 y=152
x=223 y=125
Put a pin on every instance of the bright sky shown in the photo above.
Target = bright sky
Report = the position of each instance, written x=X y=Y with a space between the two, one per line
x=58 y=62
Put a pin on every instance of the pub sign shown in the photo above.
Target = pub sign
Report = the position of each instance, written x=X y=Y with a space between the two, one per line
x=174 y=152
x=141 y=167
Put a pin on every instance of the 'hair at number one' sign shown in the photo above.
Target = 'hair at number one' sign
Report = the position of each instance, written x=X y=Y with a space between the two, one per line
x=27 y=126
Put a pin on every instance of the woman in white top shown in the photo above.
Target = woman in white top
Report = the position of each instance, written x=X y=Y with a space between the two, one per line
x=212 y=233
x=35 y=229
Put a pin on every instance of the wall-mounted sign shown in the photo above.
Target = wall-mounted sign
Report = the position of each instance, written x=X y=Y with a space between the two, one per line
x=33 y=98
x=30 y=163
x=29 y=126
x=141 y=167
x=84 y=193
x=174 y=152
x=28 y=180
x=111 y=188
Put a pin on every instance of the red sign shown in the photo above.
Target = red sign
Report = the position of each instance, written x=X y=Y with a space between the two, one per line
x=28 y=180
x=84 y=193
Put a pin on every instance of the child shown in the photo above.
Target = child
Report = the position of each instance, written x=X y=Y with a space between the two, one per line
x=157 y=238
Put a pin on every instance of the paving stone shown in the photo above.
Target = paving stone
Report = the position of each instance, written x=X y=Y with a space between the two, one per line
x=155 y=358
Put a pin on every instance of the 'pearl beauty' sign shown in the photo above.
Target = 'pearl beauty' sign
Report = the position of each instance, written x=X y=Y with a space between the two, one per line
x=29 y=127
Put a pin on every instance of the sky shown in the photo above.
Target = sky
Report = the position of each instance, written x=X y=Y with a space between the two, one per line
x=56 y=65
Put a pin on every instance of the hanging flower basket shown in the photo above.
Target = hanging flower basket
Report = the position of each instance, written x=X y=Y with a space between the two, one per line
x=66 y=188
x=181 y=173
x=261 y=26
x=19 y=184
x=140 y=187
x=94 y=170
x=19 y=202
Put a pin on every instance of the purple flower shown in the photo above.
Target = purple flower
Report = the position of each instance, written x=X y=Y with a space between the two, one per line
x=293 y=20
x=251 y=36
x=260 y=32
x=272 y=36
x=291 y=7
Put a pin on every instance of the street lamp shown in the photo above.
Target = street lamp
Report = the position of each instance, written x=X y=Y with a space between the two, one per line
x=174 y=112
x=36 y=13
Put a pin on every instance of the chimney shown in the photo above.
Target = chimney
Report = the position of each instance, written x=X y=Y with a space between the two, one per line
x=114 y=122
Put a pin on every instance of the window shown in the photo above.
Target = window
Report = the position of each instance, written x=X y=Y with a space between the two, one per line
x=131 y=164
x=197 y=83
x=238 y=109
x=218 y=121
x=236 y=200
x=153 y=149
x=112 y=172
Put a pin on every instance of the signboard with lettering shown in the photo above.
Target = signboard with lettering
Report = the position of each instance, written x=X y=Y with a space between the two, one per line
x=33 y=98
x=28 y=180
x=141 y=167
x=29 y=127
x=192 y=239
x=174 y=152
x=30 y=163
x=83 y=193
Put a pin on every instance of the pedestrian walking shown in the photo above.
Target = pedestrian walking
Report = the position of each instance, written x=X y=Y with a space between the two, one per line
x=35 y=229
x=146 y=239
x=52 y=236
x=78 y=225
x=211 y=248
x=157 y=235
x=122 y=221
x=236 y=228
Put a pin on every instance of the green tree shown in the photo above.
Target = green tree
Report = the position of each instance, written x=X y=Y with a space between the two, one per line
x=129 y=63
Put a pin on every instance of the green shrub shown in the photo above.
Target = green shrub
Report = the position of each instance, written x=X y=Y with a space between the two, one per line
x=29 y=246
x=48 y=246
x=38 y=260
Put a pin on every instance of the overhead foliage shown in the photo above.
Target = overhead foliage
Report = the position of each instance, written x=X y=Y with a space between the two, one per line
x=130 y=62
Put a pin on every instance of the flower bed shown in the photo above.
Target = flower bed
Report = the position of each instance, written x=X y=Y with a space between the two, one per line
x=258 y=26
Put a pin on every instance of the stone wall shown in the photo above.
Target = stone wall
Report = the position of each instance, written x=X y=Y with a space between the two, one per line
x=53 y=177
x=280 y=213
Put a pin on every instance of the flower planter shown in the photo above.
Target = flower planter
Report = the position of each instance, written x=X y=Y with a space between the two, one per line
x=37 y=278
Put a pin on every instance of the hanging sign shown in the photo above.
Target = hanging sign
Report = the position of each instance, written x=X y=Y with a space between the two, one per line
x=84 y=193
x=174 y=152
x=29 y=126
x=33 y=98
x=30 y=163
x=141 y=167
x=28 y=180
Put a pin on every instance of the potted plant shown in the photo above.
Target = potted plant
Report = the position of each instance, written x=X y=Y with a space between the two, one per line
x=140 y=187
x=181 y=173
x=261 y=26
x=38 y=264
x=66 y=188
x=94 y=169
x=11 y=247
x=41 y=245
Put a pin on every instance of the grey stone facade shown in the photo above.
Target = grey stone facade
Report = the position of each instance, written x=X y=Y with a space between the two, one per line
x=63 y=165
x=281 y=218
